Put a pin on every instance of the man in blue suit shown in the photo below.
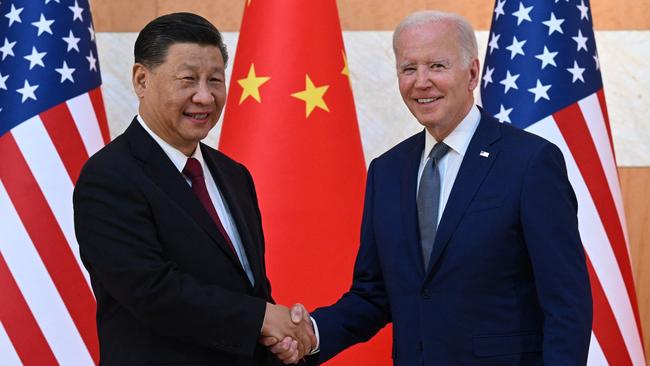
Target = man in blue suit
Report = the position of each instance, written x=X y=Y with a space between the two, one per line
x=469 y=241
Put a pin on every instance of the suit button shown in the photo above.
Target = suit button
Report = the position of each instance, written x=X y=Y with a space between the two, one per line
x=426 y=294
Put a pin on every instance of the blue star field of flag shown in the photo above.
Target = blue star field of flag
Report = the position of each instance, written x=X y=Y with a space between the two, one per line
x=47 y=56
x=541 y=57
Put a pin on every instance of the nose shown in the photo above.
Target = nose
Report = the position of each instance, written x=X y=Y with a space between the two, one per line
x=422 y=80
x=203 y=94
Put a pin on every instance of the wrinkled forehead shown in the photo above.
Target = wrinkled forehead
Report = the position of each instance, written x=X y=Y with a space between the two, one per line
x=428 y=41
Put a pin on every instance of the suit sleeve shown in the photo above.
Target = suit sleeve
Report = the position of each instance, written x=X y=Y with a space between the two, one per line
x=119 y=245
x=364 y=309
x=550 y=227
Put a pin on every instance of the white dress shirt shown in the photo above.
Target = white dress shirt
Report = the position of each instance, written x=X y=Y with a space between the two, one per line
x=179 y=160
x=448 y=166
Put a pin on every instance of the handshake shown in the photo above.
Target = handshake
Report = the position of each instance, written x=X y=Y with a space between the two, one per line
x=288 y=333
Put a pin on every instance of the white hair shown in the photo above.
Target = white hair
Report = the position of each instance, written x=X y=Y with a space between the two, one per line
x=464 y=30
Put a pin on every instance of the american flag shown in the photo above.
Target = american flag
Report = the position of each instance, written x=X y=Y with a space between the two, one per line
x=52 y=119
x=542 y=74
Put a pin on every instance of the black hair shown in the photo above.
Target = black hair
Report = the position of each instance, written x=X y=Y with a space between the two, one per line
x=155 y=38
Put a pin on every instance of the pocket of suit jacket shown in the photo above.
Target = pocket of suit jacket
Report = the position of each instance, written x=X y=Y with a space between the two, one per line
x=506 y=344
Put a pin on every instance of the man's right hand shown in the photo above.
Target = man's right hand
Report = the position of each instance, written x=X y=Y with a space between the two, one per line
x=290 y=341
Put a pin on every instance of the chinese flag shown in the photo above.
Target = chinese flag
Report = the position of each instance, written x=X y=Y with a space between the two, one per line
x=290 y=119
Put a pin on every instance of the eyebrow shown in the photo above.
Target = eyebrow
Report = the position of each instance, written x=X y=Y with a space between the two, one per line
x=186 y=65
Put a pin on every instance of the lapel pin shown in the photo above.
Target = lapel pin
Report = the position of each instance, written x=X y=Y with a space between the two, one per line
x=484 y=154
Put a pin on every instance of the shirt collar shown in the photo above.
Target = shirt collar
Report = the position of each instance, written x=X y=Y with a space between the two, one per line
x=178 y=158
x=458 y=140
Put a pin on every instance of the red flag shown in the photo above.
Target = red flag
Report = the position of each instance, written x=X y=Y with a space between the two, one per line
x=290 y=119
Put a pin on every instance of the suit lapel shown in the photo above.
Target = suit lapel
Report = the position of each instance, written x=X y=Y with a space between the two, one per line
x=471 y=174
x=408 y=196
x=164 y=174
x=231 y=195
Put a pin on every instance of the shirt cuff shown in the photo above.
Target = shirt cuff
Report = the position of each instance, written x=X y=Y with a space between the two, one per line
x=317 y=348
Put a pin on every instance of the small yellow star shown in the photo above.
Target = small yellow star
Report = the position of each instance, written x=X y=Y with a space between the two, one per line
x=251 y=85
x=346 y=70
x=312 y=96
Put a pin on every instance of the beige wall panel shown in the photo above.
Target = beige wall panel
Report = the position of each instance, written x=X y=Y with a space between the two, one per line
x=635 y=184
x=224 y=14
x=122 y=15
x=621 y=14
x=131 y=15
x=375 y=14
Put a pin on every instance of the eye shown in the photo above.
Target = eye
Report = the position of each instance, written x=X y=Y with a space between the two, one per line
x=408 y=70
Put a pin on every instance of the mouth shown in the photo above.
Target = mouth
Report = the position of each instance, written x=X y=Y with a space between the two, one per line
x=427 y=100
x=199 y=117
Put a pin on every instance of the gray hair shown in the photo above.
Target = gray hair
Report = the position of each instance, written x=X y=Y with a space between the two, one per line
x=464 y=30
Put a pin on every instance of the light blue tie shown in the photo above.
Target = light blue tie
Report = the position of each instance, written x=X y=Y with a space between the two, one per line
x=428 y=200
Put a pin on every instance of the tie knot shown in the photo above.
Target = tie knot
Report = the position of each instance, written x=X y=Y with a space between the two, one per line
x=439 y=150
x=193 y=169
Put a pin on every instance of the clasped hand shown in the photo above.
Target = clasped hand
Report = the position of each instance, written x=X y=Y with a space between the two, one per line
x=288 y=333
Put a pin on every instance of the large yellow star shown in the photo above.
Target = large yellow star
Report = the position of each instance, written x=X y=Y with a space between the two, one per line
x=251 y=85
x=312 y=96
x=346 y=70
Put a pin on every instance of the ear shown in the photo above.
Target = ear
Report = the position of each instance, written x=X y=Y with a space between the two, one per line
x=474 y=74
x=140 y=74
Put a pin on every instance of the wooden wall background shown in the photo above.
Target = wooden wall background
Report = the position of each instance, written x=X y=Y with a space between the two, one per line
x=131 y=16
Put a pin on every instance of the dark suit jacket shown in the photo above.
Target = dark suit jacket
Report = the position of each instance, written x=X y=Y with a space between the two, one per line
x=507 y=282
x=169 y=290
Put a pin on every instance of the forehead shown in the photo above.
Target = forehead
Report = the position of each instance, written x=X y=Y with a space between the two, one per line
x=193 y=54
x=432 y=39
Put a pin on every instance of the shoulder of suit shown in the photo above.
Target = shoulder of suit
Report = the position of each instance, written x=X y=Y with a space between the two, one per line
x=404 y=147
x=514 y=136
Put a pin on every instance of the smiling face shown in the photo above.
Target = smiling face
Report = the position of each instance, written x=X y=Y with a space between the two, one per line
x=182 y=98
x=435 y=80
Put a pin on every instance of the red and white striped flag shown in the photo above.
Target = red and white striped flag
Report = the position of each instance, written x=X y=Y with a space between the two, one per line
x=52 y=119
x=542 y=74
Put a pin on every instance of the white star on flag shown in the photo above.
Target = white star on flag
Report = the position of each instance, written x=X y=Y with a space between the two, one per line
x=76 y=11
x=547 y=58
x=72 y=41
x=583 y=10
x=581 y=41
x=516 y=48
x=27 y=91
x=503 y=115
x=554 y=24
x=576 y=71
x=487 y=77
x=509 y=81
x=43 y=25
x=14 y=15
x=597 y=61
x=498 y=10
x=523 y=13
x=36 y=58
x=3 y=81
x=7 y=49
x=494 y=42
x=92 y=32
x=540 y=91
x=92 y=61
x=66 y=72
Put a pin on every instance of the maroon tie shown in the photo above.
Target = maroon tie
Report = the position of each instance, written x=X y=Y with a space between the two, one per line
x=194 y=171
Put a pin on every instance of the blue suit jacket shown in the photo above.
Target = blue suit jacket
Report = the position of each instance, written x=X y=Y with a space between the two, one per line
x=507 y=282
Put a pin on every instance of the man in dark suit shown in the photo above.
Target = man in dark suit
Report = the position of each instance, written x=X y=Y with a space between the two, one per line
x=469 y=240
x=168 y=228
